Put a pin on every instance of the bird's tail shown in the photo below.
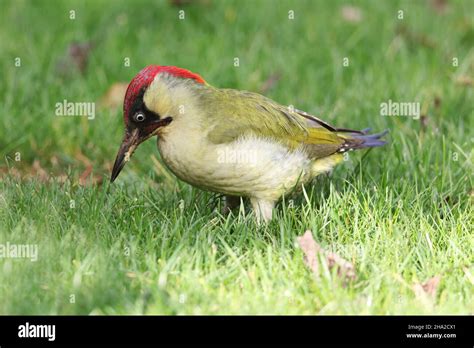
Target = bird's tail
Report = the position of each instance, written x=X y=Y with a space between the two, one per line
x=361 y=140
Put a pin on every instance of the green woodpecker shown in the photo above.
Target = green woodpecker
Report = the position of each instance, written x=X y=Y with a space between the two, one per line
x=238 y=143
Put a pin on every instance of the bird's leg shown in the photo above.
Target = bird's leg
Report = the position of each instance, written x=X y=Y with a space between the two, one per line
x=230 y=203
x=263 y=209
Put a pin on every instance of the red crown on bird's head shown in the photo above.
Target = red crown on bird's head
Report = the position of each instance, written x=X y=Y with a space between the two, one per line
x=146 y=76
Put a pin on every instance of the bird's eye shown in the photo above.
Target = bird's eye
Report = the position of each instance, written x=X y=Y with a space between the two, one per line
x=139 y=117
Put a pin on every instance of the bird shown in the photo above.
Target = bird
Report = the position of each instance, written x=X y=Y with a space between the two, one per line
x=236 y=143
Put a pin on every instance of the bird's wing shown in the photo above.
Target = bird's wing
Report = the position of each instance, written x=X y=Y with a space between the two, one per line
x=247 y=113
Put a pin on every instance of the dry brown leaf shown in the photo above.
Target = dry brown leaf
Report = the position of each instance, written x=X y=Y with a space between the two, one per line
x=114 y=96
x=351 y=14
x=38 y=171
x=439 y=6
x=464 y=80
x=10 y=172
x=88 y=178
x=345 y=269
x=76 y=57
x=85 y=175
x=83 y=158
x=427 y=291
x=79 y=54
x=431 y=285
x=313 y=251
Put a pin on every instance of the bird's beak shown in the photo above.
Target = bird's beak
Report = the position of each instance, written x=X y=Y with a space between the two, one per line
x=132 y=139
x=129 y=144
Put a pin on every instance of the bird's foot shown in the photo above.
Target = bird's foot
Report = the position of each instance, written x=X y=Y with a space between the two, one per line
x=263 y=209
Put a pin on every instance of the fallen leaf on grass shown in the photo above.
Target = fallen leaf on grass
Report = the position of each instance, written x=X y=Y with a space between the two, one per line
x=79 y=53
x=464 y=80
x=351 y=14
x=88 y=178
x=311 y=249
x=426 y=292
x=9 y=172
x=345 y=269
x=85 y=174
x=439 y=6
x=39 y=172
x=431 y=285
x=82 y=158
x=114 y=96
x=76 y=57
x=313 y=252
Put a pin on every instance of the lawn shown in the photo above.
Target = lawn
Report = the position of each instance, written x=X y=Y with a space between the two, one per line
x=150 y=244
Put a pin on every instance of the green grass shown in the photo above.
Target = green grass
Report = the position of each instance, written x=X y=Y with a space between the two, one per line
x=146 y=244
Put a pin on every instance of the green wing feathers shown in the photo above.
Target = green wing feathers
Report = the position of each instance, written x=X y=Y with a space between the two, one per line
x=233 y=114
